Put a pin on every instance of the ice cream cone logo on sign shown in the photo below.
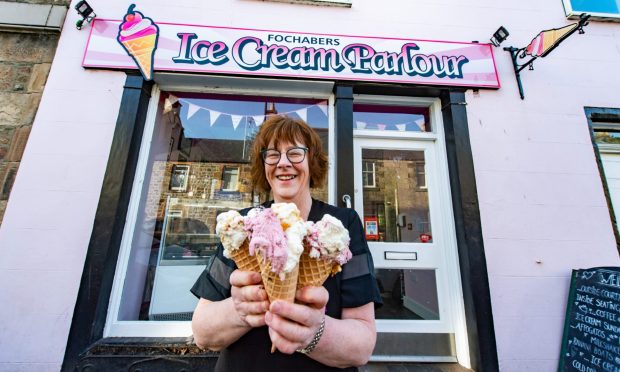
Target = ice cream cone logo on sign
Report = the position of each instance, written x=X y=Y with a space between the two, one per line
x=138 y=35
x=546 y=40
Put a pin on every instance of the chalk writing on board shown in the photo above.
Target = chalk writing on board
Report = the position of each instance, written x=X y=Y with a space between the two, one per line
x=591 y=341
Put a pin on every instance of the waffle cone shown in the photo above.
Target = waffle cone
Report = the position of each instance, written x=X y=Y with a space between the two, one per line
x=242 y=258
x=278 y=289
x=314 y=271
x=141 y=49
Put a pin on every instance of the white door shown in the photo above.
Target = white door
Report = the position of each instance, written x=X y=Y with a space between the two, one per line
x=403 y=198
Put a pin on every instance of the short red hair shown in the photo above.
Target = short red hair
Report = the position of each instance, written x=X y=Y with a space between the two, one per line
x=282 y=128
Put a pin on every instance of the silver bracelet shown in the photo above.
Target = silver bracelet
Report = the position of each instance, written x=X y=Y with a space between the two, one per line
x=315 y=340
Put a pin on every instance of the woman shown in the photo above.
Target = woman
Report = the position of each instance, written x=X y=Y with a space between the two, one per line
x=328 y=327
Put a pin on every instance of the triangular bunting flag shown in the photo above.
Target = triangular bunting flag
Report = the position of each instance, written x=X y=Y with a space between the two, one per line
x=167 y=106
x=323 y=107
x=360 y=125
x=213 y=115
x=258 y=120
x=420 y=123
x=173 y=99
x=303 y=114
x=191 y=110
x=381 y=126
x=401 y=127
x=236 y=119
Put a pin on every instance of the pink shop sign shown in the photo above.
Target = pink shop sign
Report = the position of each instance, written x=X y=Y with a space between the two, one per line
x=241 y=51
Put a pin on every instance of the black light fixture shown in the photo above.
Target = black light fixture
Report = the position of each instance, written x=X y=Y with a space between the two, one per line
x=499 y=36
x=86 y=12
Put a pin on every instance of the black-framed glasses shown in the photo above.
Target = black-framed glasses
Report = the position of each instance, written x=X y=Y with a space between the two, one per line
x=295 y=155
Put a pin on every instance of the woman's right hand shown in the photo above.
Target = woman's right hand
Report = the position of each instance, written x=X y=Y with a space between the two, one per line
x=249 y=297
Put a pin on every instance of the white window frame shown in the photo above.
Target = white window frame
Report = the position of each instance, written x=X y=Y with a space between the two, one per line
x=374 y=176
x=236 y=185
x=574 y=14
x=192 y=83
x=418 y=165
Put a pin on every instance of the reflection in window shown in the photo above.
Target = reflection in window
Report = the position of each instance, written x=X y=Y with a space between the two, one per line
x=391 y=118
x=407 y=294
x=230 y=176
x=397 y=204
x=198 y=167
x=606 y=137
x=598 y=6
x=420 y=175
x=368 y=173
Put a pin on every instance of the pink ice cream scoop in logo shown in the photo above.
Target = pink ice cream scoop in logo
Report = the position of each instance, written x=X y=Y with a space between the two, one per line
x=138 y=35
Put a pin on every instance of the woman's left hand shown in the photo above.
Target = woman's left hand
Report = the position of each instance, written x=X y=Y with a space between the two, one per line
x=293 y=326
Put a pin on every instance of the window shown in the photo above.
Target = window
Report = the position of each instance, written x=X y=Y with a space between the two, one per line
x=195 y=164
x=605 y=126
x=230 y=177
x=368 y=174
x=599 y=9
x=420 y=175
x=384 y=118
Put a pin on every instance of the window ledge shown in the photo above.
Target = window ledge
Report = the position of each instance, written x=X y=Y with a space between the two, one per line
x=340 y=3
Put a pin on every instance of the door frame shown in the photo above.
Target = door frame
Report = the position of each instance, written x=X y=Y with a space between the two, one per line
x=446 y=265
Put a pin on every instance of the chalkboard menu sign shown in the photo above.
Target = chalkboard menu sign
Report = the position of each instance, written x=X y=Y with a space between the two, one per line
x=591 y=341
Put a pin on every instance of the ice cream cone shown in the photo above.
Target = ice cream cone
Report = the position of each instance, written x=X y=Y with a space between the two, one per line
x=242 y=258
x=313 y=271
x=276 y=288
x=142 y=49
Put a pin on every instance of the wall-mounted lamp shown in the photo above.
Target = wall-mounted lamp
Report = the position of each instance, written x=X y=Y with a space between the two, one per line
x=499 y=36
x=86 y=12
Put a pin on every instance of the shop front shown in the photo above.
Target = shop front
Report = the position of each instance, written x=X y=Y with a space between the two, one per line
x=388 y=111
x=476 y=204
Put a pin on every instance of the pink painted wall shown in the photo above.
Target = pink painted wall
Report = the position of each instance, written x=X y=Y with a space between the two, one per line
x=539 y=191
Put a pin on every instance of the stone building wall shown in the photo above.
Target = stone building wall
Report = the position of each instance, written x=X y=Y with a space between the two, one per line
x=26 y=55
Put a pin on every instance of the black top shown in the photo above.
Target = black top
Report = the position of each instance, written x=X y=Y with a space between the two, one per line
x=354 y=286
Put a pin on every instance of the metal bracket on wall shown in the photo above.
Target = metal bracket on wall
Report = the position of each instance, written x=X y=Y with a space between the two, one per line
x=545 y=42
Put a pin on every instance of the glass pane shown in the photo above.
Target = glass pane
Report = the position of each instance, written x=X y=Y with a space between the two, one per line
x=198 y=167
x=598 y=6
x=407 y=294
x=604 y=137
x=391 y=118
x=396 y=207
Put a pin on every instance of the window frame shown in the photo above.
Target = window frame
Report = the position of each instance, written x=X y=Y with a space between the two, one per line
x=154 y=328
x=606 y=119
x=595 y=16
x=374 y=176
x=236 y=185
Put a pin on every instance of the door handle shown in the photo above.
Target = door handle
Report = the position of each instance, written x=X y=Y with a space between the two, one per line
x=347 y=200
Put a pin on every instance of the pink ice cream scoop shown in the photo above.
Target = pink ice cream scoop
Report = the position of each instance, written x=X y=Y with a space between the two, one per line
x=267 y=237
x=135 y=25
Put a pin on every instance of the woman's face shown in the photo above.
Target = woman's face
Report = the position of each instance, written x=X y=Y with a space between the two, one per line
x=289 y=181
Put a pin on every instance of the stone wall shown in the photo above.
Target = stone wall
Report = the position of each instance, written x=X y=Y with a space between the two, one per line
x=25 y=59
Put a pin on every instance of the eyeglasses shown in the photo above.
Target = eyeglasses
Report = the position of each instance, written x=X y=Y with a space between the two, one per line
x=295 y=155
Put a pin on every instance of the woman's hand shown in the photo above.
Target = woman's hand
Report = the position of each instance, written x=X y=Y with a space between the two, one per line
x=293 y=326
x=249 y=297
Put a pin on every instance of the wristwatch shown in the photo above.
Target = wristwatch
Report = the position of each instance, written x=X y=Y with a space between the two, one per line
x=315 y=340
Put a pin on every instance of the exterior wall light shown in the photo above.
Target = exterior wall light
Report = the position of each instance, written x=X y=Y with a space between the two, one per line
x=86 y=12
x=499 y=36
